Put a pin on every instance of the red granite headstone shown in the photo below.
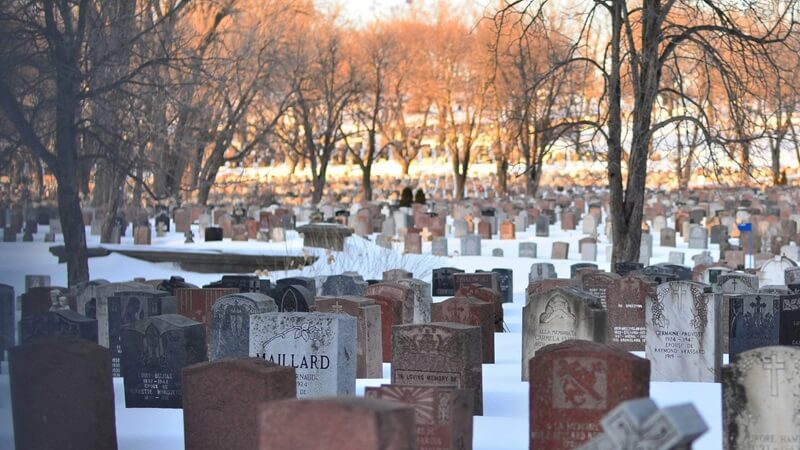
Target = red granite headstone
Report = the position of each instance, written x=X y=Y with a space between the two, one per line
x=413 y=243
x=341 y=423
x=142 y=235
x=391 y=315
x=507 y=230
x=469 y=311
x=443 y=415
x=221 y=401
x=626 y=312
x=486 y=295
x=62 y=395
x=576 y=384
x=485 y=229
x=196 y=303
x=183 y=220
x=439 y=354
x=369 y=348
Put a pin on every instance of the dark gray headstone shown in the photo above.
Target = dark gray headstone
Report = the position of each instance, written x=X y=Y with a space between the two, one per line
x=338 y=285
x=754 y=321
x=58 y=324
x=7 y=321
x=156 y=349
x=230 y=323
x=442 y=281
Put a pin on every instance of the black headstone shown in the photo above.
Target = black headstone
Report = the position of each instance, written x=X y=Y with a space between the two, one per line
x=573 y=269
x=293 y=298
x=156 y=350
x=754 y=322
x=443 y=284
x=7 y=306
x=790 y=320
x=213 y=234
x=58 y=324
x=127 y=307
x=624 y=268
x=244 y=283
x=307 y=282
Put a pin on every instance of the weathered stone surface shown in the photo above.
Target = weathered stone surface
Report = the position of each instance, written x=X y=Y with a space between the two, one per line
x=574 y=384
x=439 y=354
x=221 y=401
x=683 y=341
x=62 y=395
x=369 y=351
x=156 y=349
x=230 y=323
x=320 y=346
x=336 y=424
x=558 y=315
x=638 y=423
x=761 y=398
x=443 y=415
x=469 y=311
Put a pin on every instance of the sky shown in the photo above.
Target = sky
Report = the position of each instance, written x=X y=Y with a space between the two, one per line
x=361 y=12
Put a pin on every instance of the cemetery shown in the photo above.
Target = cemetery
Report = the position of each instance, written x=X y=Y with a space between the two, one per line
x=399 y=225
x=524 y=351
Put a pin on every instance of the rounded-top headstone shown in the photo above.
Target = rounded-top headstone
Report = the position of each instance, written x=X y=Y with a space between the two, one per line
x=574 y=384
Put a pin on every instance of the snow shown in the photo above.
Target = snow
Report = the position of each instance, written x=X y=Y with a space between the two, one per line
x=504 y=424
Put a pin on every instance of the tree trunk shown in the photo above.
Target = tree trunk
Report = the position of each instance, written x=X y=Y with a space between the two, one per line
x=532 y=184
x=366 y=180
x=319 y=187
x=461 y=181
x=502 y=176
x=406 y=164
x=114 y=200
x=69 y=210
x=776 y=161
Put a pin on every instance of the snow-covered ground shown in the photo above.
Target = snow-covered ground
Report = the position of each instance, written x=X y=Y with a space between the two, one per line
x=504 y=424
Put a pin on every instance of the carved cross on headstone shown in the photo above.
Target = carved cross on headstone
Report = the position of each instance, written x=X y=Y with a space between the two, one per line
x=758 y=305
x=337 y=308
x=425 y=234
x=639 y=423
x=774 y=365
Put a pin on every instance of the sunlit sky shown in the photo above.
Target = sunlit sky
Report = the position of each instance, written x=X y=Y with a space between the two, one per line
x=360 y=12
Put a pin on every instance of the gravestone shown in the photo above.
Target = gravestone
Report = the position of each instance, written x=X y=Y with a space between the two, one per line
x=754 y=321
x=62 y=395
x=337 y=285
x=320 y=346
x=602 y=285
x=471 y=245
x=505 y=284
x=212 y=234
x=485 y=279
x=527 y=250
x=507 y=230
x=761 y=399
x=442 y=281
x=487 y=295
x=637 y=424
x=558 y=315
x=57 y=324
x=626 y=312
x=575 y=384
x=422 y=299
x=34 y=281
x=497 y=252
x=469 y=311
x=773 y=271
x=560 y=250
x=439 y=246
x=543 y=226
x=683 y=342
x=576 y=268
x=541 y=271
x=7 y=319
x=155 y=351
x=443 y=415
x=667 y=237
x=229 y=326
x=676 y=258
x=196 y=304
x=142 y=235
x=413 y=243
x=337 y=424
x=439 y=354
x=369 y=350
x=120 y=309
x=698 y=237
x=293 y=297
x=221 y=401
x=397 y=302
x=624 y=268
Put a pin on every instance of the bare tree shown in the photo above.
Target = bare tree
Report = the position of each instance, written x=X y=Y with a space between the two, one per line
x=46 y=92
x=323 y=83
x=641 y=39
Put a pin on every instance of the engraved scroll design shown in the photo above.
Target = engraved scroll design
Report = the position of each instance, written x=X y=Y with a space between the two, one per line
x=657 y=310
x=427 y=340
x=700 y=310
